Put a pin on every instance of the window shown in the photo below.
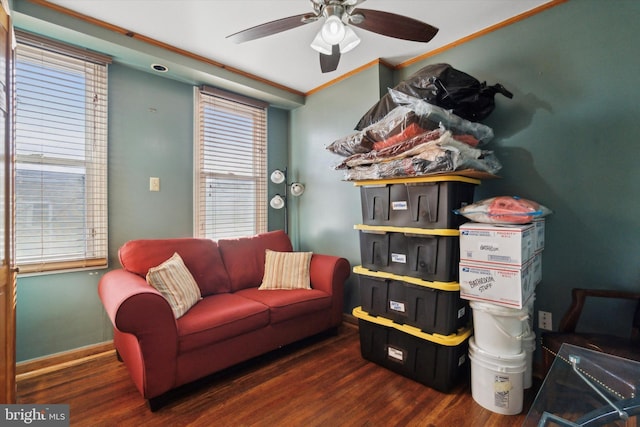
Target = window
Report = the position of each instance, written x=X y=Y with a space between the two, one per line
x=61 y=156
x=230 y=151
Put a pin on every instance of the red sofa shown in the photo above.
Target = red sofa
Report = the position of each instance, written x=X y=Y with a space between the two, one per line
x=233 y=322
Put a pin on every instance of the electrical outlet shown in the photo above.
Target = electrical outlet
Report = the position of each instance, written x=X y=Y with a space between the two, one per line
x=544 y=320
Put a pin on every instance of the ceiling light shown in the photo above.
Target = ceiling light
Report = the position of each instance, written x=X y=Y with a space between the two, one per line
x=333 y=30
x=318 y=44
x=159 y=68
x=350 y=40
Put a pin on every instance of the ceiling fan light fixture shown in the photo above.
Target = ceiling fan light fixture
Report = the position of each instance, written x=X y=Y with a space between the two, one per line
x=318 y=44
x=350 y=40
x=333 y=30
x=356 y=18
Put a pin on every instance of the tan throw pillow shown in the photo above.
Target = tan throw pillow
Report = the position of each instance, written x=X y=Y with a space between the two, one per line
x=286 y=270
x=174 y=281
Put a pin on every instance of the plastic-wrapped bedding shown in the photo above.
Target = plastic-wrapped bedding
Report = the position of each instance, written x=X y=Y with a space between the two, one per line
x=400 y=124
x=446 y=118
x=351 y=144
x=399 y=121
x=407 y=121
x=400 y=168
x=444 y=154
x=399 y=150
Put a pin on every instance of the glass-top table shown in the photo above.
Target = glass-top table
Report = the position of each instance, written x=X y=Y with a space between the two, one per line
x=587 y=388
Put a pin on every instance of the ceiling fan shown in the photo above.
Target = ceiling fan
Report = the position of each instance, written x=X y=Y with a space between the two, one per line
x=336 y=36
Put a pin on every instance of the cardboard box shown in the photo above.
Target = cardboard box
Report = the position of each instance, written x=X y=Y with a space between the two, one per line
x=539 y=225
x=508 y=286
x=509 y=245
x=536 y=268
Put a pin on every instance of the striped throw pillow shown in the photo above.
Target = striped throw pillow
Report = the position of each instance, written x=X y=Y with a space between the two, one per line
x=286 y=270
x=174 y=281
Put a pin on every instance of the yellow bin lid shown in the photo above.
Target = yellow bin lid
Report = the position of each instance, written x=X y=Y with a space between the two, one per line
x=442 y=286
x=417 y=180
x=446 y=340
x=383 y=229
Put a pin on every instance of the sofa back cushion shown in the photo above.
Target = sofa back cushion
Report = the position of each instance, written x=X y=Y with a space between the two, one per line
x=201 y=256
x=244 y=257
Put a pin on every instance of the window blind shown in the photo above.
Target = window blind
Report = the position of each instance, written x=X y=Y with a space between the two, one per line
x=61 y=157
x=231 y=163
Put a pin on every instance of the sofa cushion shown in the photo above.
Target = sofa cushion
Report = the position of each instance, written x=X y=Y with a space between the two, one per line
x=288 y=304
x=219 y=317
x=174 y=281
x=286 y=270
x=244 y=257
x=201 y=256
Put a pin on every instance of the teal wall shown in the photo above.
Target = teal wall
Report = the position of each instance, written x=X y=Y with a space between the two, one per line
x=150 y=134
x=58 y=312
x=325 y=215
x=567 y=139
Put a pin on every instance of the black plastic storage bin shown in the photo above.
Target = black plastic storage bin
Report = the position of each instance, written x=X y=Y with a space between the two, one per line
x=433 y=307
x=424 y=202
x=432 y=255
x=439 y=362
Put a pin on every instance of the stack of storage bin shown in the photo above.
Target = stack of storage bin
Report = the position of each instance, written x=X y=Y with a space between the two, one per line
x=500 y=267
x=412 y=319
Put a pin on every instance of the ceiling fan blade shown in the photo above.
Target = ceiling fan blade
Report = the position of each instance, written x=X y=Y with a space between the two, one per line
x=270 y=28
x=329 y=63
x=394 y=25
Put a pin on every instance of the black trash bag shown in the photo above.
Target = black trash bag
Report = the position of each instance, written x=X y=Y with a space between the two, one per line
x=446 y=87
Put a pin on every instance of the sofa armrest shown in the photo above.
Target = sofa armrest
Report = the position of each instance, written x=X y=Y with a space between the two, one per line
x=138 y=309
x=133 y=306
x=328 y=273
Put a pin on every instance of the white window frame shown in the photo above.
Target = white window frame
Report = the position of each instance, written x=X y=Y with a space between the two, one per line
x=87 y=246
x=241 y=158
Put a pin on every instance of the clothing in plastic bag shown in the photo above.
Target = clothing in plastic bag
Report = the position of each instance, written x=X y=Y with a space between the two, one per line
x=444 y=154
x=401 y=149
x=406 y=121
x=504 y=210
x=351 y=144
x=446 y=118
x=408 y=167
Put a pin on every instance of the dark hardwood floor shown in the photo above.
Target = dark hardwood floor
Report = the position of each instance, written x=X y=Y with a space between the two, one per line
x=322 y=381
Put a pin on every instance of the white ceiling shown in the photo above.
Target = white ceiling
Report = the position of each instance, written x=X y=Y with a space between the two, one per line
x=200 y=27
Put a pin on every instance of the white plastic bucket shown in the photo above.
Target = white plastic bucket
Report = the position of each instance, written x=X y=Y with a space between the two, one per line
x=529 y=346
x=530 y=311
x=497 y=382
x=499 y=330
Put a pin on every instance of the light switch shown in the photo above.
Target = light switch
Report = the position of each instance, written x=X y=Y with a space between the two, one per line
x=154 y=184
